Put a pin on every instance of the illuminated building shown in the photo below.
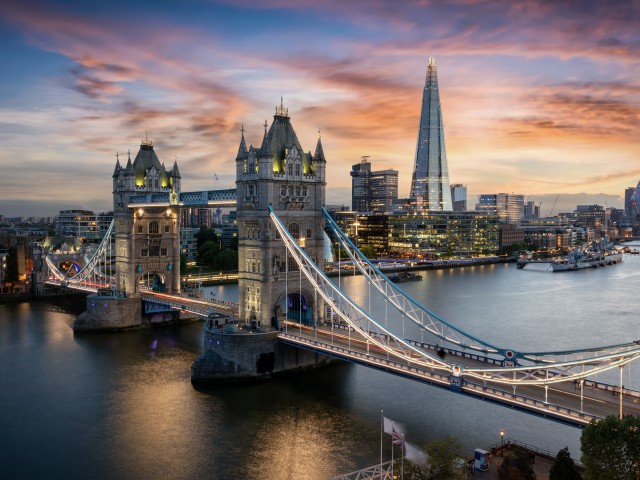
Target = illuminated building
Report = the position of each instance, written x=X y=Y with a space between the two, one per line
x=430 y=190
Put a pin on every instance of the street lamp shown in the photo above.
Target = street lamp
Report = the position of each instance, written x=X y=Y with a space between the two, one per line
x=501 y=442
x=356 y=224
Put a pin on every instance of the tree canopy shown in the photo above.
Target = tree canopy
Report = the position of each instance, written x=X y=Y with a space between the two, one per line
x=611 y=448
x=516 y=465
x=564 y=468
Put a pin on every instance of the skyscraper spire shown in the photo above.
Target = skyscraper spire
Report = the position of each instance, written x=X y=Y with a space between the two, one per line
x=430 y=188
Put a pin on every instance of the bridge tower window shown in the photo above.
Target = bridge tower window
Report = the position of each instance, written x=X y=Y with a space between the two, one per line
x=297 y=169
x=167 y=228
x=153 y=227
x=144 y=252
x=294 y=230
x=140 y=228
x=154 y=250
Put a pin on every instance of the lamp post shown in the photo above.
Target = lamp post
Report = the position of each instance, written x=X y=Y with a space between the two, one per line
x=501 y=442
x=356 y=224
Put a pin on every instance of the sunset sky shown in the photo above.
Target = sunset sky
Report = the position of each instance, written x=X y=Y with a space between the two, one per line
x=539 y=97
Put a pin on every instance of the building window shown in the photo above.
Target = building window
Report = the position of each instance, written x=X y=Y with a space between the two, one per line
x=155 y=184
x=144 y=252
x=154 y=251
x=304 y=191
x=294 y=229
x=290 y=169
x=283 y=191
x=163 y=252
x=297 y=191
x=309 y=233
x=166 y=228
x=297 y=169
x=140 y=228
x=153 y=227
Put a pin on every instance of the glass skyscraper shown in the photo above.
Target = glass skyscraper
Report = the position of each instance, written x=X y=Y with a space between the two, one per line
x=430 y=190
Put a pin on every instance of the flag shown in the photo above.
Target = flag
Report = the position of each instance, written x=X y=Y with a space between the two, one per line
x=393 y=429
x=216 y=177
x=415 y=455
x=397 y=438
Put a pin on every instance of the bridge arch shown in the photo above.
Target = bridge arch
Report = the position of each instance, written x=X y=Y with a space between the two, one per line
x=298 y=303
x=152 y=280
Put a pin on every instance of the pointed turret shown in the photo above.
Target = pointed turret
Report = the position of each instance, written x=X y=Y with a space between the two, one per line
x=118 y=168
x=175 y=173
x=319 y=155
x=265 y=148
x=242 y=149
x=129 y=168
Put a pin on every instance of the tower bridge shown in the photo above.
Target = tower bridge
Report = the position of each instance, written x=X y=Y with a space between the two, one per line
x=290 y=315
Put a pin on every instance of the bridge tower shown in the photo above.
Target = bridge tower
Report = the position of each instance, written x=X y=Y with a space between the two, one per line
x=147 y=238
x=147 y=243
x=281 y=174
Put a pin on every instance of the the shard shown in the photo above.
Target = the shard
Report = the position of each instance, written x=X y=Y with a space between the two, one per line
x=430 y=189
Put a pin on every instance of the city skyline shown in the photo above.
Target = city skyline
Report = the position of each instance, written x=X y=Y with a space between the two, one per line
x=540 y=98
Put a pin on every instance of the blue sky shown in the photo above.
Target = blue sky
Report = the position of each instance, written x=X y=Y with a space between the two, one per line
x=539 y=97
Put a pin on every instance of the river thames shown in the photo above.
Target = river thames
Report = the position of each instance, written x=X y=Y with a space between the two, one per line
x=121 y=406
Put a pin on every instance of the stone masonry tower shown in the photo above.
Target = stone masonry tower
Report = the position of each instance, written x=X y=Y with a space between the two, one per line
x=147 y=238
x=282 y=175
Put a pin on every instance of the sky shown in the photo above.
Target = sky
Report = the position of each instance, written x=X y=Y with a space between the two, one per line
x=539 y=97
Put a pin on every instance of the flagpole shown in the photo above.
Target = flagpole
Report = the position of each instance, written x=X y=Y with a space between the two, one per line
x=392 y=455
x=402 y=453
x=381 y=430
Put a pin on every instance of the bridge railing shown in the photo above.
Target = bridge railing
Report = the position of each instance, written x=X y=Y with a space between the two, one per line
x=483 y=391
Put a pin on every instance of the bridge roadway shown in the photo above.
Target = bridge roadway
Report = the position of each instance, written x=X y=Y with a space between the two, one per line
x=564 y=402
x=198 y=306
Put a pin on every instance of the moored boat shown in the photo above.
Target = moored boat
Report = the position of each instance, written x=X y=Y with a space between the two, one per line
x=402 y=277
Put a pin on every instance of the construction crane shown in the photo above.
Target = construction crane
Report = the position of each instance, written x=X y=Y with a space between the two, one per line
x=554 y=205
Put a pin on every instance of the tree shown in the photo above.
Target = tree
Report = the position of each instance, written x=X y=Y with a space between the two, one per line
x=368 y=251
x=611 y=448
x=516 y=466
x=210 y=245
x=183 y=263
x=205 y=235
x=564 y=468
x=444 y=457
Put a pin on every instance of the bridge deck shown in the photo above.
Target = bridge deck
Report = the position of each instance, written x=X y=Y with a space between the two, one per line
x=563 y=401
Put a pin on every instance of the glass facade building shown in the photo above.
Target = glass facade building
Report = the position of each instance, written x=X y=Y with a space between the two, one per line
x=428 y=236
x=430 y=190
x=373 y=191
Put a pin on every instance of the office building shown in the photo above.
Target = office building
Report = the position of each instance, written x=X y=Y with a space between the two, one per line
x=459 y=197
x=372 y=191
x=507 y=206
x=430 y=190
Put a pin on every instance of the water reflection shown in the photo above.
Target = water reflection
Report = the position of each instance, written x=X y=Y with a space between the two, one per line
x=122 y=406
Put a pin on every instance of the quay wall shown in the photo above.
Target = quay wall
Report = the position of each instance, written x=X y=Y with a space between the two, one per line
x=249 y=355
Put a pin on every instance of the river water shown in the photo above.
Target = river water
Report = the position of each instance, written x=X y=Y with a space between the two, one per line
x=121 y=406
